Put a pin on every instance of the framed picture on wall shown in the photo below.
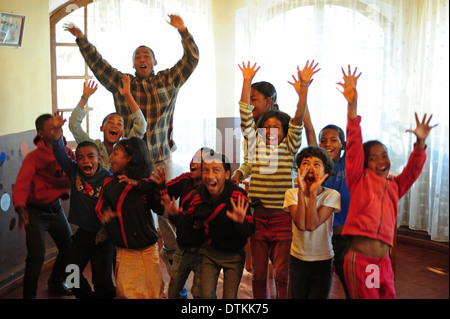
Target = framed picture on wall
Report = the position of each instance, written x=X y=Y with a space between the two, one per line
x=11 y=29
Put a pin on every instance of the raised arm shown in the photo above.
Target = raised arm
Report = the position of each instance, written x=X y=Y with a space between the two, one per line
x=422 y=130
x=78 y=114
x=248 y=74
x=301 y=87
x=349 y=91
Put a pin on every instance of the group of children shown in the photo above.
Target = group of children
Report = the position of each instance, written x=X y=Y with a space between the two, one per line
x=290 y=221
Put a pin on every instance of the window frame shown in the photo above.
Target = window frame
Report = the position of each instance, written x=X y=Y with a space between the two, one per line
x=56 y=16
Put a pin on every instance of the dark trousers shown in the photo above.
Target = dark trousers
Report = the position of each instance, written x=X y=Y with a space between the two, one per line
x=310 y=279
x=101 y=257
x=41 y=220
x=341 y=245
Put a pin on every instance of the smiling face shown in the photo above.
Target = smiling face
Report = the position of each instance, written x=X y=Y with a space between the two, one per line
x=88 y=159
x=315 y=168
x=113 y=129
x=119 y=160
x=273 y=130
x=330 y=141
x=377 y=160
x=214 y=176
x=260 y=102
x=144 y=61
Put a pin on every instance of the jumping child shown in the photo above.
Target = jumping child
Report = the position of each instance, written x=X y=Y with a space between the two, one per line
x=374 y=196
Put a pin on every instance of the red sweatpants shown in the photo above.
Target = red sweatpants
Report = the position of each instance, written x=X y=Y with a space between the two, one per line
x=368 y=277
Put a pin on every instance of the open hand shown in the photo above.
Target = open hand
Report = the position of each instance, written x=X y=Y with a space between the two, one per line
x=239 y=210
x=349 y=85
x=159 y=176
x=125 y=88
x=170 y=205
x=247 y=71
x=89 y=88
x=423 y=129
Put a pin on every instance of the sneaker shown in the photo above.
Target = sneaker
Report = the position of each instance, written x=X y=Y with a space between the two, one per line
x=167 y=261
x=183 y=293
x=59 y=289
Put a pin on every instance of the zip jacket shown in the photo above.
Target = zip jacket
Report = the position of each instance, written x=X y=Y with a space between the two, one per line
x=374 y=200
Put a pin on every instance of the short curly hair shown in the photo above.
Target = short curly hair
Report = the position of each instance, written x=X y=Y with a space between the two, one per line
x=318 y=152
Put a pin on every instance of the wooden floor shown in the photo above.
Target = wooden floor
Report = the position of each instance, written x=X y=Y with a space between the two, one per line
x=420 y=274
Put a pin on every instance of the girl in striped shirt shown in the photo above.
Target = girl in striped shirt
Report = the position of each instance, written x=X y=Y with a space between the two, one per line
x=272 y=145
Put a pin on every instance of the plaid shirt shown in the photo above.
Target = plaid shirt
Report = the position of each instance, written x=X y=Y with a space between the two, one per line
x=155 y=95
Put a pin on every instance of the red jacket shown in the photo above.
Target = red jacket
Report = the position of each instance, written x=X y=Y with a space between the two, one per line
x=374 y=200
x=41 y=180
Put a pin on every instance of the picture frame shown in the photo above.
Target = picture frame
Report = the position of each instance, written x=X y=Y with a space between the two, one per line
x=11 y=29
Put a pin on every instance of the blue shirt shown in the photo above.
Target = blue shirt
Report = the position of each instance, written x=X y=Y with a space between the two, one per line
x=337 y=182
x=84 y=190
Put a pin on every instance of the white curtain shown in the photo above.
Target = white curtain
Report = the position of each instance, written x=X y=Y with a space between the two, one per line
x=118 y=27
x=402 y=49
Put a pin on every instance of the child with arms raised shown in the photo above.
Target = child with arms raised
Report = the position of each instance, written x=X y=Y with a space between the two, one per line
x=311 y=206
x=220 y=208
x=271 y=156
x=90 y=242
x=374 y=196
x=113 y=124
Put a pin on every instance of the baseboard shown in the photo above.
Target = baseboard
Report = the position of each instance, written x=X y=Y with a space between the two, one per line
x=421 y=239
x=18 y=282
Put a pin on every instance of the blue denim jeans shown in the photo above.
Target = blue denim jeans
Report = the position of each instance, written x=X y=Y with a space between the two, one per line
x=213 y=262
x=41 y=220
x=185 y=260
x=101 y=257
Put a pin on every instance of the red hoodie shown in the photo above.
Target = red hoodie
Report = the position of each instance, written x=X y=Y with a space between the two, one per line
x=41 y=180
x=374 y=200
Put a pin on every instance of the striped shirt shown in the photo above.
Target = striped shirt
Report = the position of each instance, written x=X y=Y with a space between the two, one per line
x=271 y=173
x=155 y=95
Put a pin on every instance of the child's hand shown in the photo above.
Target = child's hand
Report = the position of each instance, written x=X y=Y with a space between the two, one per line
x=125 y=89
x=58 y=123
x=349 y=85
x=159 y=177
x=58 y=120
x=108 y=214
x=318 y=182
x=306 y=74
x=101 y=236
x=23 y=218
x=247 y=71
x=89 y=88
x=422 y=130
x=125 y=179
x=301 y=179
x=239 y=210
x=170 y=205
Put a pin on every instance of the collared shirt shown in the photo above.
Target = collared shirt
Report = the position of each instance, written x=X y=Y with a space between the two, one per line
x=156 y=95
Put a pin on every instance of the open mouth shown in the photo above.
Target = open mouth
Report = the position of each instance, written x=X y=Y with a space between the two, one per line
x=310 y=179
x=211 y=186
x=87 y=169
